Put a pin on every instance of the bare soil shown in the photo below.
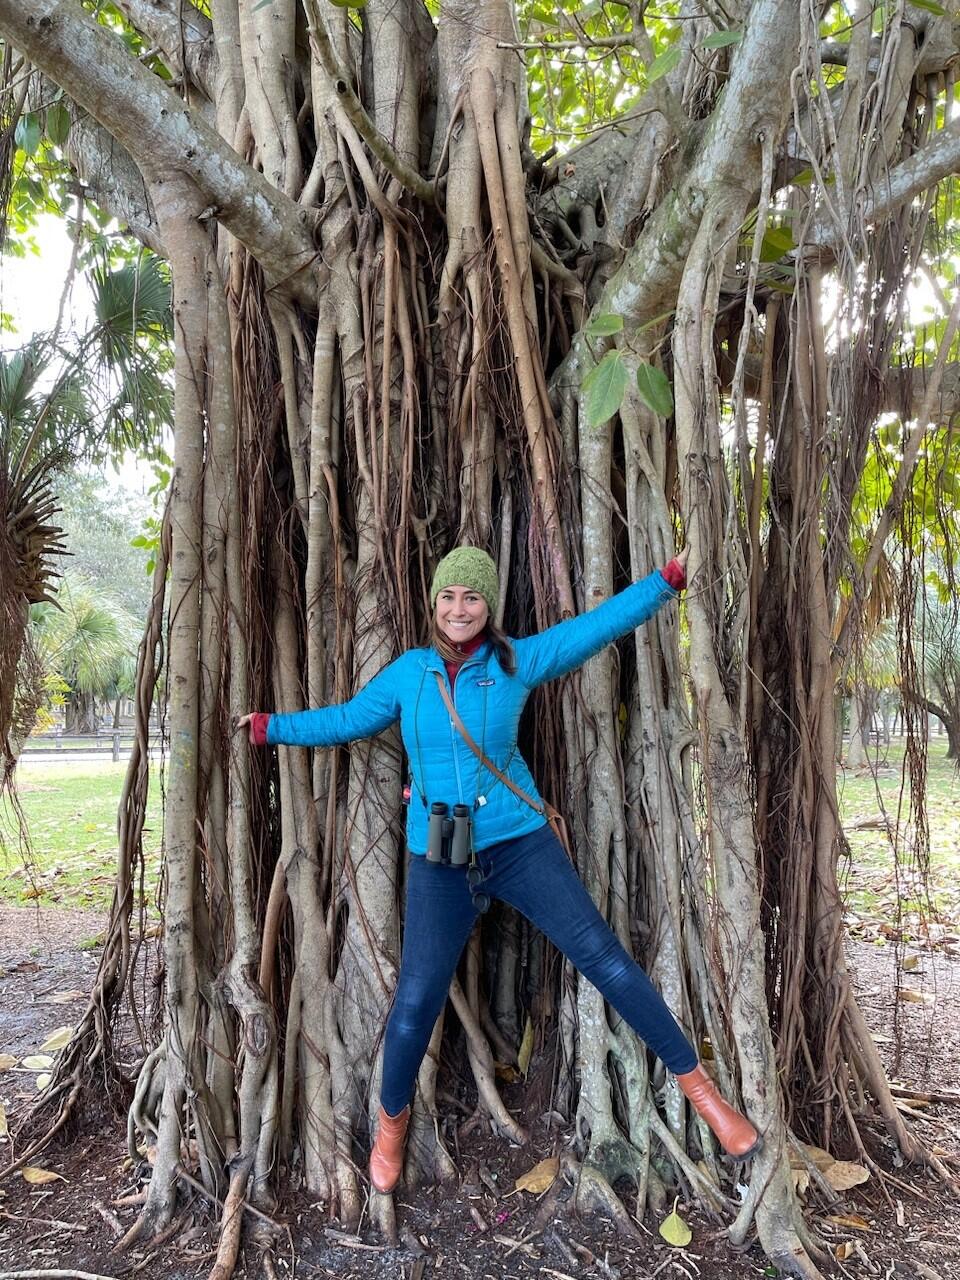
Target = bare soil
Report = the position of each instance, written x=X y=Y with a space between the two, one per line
x=482 y=1229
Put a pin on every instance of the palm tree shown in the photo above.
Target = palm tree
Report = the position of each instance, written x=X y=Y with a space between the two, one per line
x=96 y=395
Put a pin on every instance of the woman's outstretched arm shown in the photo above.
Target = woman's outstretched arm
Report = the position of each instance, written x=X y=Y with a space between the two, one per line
x=568 y=644
x=369 y=711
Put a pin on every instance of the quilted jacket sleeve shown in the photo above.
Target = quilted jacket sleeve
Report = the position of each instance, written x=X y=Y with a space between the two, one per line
x=567 y=645
x=368 y=712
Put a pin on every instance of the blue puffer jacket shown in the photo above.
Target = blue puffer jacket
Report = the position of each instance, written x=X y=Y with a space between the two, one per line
x=489 y=703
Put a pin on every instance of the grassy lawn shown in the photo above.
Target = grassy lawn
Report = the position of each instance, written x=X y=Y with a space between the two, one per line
x=71 y=812
x=872 y=881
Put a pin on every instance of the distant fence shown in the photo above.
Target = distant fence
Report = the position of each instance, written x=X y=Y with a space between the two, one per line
x=117 y=743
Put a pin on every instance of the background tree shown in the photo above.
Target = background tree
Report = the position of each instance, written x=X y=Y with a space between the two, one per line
x=400 y=323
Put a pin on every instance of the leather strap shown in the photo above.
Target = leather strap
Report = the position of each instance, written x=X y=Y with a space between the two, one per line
x=545 y=810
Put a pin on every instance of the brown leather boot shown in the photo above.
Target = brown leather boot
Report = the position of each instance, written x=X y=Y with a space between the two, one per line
x=386 y=1158
x=737 y=1135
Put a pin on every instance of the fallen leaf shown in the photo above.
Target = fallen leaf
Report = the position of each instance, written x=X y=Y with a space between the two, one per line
x=675 y=1231
x=65 y=997
x=540 y=1177
x=801 y=1180
x=38 y=1176
x=37 y=1062
x=909 y=996
x=819 y=1158
x=852 y=1220
x=7 y=1060
x=510 y=1074
x=43 y=1080
x=910 y=962
x=3 y=1122
x=57 y=1039
x=526 y=1048
x=844 y=1250
x=844 y=1174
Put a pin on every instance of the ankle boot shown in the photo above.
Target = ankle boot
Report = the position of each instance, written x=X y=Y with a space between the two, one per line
x=386 y=1158
x=737 y=1135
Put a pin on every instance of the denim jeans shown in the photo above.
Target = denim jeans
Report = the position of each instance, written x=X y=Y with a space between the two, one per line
x=533 y=874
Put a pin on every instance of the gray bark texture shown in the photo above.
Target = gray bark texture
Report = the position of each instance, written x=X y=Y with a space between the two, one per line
x=388 y=321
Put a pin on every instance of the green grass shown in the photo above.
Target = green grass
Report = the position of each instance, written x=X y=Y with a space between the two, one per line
x=71 y=813
x=874 y=881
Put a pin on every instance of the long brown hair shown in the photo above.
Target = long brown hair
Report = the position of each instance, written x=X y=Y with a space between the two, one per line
x=502 y=647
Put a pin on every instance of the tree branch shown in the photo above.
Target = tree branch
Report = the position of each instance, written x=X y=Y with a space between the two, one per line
x=183 y=34
x=164 y=136
x=753 y=105
x=358 y=117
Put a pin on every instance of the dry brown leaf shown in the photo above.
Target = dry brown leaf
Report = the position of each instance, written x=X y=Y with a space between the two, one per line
x=910 y=962
x=39 y=1176
x=844 y=1174
x=844 y=1250
x=540 y=1177
x=7 y=1060
x=64 y=997
x=3 y=1122
x=510 y=1074
x=852 y=1220
x=801 y=1180
x=819 y=1158
x=909 y=996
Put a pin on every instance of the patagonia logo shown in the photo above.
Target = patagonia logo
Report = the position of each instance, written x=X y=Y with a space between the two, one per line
x=484 y=684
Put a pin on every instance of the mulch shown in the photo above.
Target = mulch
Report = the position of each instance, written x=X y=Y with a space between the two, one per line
x=479 y=1229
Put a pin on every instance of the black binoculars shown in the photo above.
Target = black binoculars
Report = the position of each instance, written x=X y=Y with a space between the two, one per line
x=448 y=838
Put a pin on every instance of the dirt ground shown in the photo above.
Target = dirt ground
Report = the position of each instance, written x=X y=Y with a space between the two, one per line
x=483 y=1229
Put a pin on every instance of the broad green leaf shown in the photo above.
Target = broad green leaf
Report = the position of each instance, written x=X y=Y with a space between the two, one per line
x=720 y=39
x=43 y=1079
x=930 y=6
x=664 y=63
x=675 y=1231
x=28 y=133
x=604 y=326
x=526 y=1048
x=58 y=124
x=655 y=390
x=604 y=387
x=664 y=315
x=776 y=242
x=348 y=4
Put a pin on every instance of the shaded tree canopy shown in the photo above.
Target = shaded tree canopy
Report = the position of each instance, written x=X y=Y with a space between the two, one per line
x=402 y=323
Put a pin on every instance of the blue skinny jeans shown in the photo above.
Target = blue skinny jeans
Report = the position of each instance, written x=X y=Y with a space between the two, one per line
x=533 y=874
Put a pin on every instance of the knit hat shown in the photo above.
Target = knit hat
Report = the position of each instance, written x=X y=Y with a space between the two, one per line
x=467 y=567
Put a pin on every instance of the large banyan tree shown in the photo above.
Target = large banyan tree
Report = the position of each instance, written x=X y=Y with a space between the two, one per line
x=403 y=323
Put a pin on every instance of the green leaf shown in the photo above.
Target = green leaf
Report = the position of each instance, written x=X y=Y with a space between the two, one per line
x=776 y=242
x=720 y=39
x=262 y=5
x=664 y=315
x=28 y=133
x=604 y=387
x=655 y=390
x=930 y=7
x=664 y=63
x=348 y=4
x=675 y=1231
x=604 y=326
x=58 y=124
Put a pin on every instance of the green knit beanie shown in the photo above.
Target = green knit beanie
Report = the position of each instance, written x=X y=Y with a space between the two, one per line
x=468 y=567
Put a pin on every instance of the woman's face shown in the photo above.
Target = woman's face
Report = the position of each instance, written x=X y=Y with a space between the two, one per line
x=461 y=613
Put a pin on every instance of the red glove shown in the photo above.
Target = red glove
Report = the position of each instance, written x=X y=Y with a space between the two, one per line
x=675 y=574
x=258 y=727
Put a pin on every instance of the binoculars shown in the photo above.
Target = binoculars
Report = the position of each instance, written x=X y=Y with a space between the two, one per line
x=448 y=838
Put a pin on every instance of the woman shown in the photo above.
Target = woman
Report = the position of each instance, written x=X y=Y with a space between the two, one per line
x=473 y=679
